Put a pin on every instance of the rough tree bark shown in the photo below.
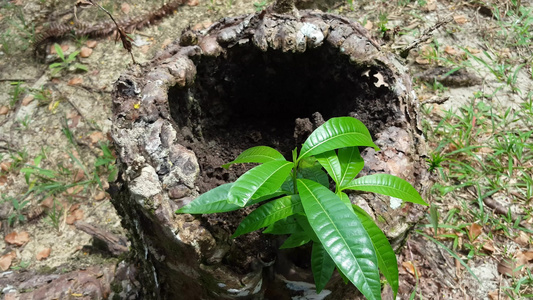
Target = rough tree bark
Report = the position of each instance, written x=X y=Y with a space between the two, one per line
x=238 y=84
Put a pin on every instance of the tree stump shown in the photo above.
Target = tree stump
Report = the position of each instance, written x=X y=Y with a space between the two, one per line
x=260 y=79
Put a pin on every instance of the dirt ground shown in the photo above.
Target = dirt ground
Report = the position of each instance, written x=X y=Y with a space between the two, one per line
x=56 y=159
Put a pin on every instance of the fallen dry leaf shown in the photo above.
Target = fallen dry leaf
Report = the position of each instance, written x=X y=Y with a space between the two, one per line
x=202 y=25
x=431 y=5
x=165 y=43
x=6 y=259
x=99 y=196
x=74 y=207
x=489 y=246
x=74 y=121
x=421 y=60
x=368 y=25
x=73 y=190
x=48 y=202
x=70 y=220
x=91 y=43
x=460 y=19
x=4 y=110
x=4 y=166
x=86 y=52
x=43 y=254
x=75 y=81
x=79 y=175
x=125 y=8
x=474 y=230
x=27 y=100
x=512 y=267
x=522 y=239
x=528 y=255
x=494 y=295
x=3 y=179
x=96 y=137
x=473 y=50
x=78 y=214
x=409 y=267
x=450 y=50
x=17 y=239
x=192 y=2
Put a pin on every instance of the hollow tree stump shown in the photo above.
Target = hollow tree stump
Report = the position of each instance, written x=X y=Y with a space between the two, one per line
x=244 y=82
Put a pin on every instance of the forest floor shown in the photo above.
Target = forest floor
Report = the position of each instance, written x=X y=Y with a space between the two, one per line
x=473 y=77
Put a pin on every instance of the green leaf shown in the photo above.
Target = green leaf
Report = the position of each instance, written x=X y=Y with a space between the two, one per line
x=322 y=266
x=59 y=51
x=330 y=162
x=343 y=236
x=259 y=154
x=386 y=257
x=346 y=200
x=286 y=226
x=434 y=218
x=269 y=213
x=387 y=184
x=81 y=67
x=259 y=181
x=72 y=56
x=306 y=227
x=351 y=164
x=314 y=173
x=295 y=240
x=337 y=133
x=213 y=201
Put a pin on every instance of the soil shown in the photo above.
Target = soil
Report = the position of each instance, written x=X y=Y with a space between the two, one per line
x=86 y=109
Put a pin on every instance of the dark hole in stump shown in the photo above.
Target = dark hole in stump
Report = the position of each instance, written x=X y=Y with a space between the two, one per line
x=249 y=98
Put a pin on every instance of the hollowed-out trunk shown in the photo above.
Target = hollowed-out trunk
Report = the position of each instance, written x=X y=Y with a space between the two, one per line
x=262 y=79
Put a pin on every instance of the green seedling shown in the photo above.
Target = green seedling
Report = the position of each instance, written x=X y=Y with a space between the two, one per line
x=16 y=93
x=298 y=201
x=106 y=163
x=16 y=215
x=259 y=6
x=67 y=63
x=54 y=216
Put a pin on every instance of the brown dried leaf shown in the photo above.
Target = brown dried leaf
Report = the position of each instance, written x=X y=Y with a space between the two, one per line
x=96 y=137
x=86 y=52
x=48 y=202
x=450 y=50
x=431 y=5
x=511 y=267
x=73 y=190
x=6 y=259
x=409 y=267
x=369 y=25
x=91 y=43
x=4 y=166
x=494 y=295
x=460 y=19
x=421 y=60
x=99 y=196
x=192 y=2
x=74 y=207
x=27 y=100
x=522 y=239
x=489 y=246
x=79 y=175
x=17 y=239
x=528 y=255
x=70 y=220
x=74 y=121
x=43 y=254
x=474 y=230
x=4 y=110
x=125 y=8
x=75 y=81
x=78 y=214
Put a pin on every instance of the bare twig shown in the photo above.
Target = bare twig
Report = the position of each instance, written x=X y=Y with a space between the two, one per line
x=426 y=35
x=126 y=40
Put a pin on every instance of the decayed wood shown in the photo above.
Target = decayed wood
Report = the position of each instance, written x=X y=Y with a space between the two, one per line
x=115 y=244
x=165 y=108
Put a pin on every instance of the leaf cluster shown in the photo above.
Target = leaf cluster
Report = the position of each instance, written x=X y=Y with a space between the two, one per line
x=298 y=202
x=66 y=62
